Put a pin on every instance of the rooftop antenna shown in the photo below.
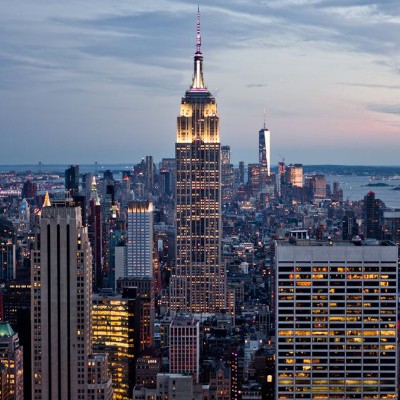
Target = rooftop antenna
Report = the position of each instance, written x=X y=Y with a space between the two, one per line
x=198 y=44
x=265 y=118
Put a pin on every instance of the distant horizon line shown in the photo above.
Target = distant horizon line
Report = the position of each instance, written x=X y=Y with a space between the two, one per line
x=166 y=158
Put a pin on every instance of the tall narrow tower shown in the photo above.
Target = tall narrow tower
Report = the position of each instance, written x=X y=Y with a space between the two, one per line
x=198 y=279
x=264 y=154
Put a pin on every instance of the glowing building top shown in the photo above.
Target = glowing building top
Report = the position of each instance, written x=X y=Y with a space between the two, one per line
x=198 y=117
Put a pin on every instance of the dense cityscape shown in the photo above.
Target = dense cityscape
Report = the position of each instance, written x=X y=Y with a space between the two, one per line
x=194 y=278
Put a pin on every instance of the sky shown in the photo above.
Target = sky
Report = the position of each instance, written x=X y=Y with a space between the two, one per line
x=102 y=80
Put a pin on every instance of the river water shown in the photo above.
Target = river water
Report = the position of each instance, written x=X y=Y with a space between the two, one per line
x=354 y=188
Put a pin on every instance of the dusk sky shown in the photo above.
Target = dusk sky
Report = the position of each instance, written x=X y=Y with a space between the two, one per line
x=101 y=80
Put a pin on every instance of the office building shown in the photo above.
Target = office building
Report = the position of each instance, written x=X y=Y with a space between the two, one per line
x=11 y=357
x=294 y=175
x=145 y=295
x=61 y=306
x=72 y=180
x=198 y=277
x=336 y=320
x=139 y=248
x=264 y=155
x=115 y=332
x=184 y=346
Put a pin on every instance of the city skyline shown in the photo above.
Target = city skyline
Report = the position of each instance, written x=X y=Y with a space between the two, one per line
x=326 y=72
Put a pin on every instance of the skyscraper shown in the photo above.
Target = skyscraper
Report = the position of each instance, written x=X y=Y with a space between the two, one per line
x=61 y=306
x=336 y=330
x=72 y=180
x=198 y=278
x=140 y=240
x=95 y=236
x=264 y=154
x=226 y=167
x=371 y=216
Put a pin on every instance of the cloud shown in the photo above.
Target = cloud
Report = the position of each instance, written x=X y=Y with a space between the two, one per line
x=371 y=85
x=256 y=85
x=385 y=109
x=61 y=62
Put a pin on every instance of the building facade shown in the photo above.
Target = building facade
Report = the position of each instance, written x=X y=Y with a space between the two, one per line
x=139 y=259
x=72 y=180
x=184 y=346
x=11 y=357
x=61 y=306
x=264 y=155
x=371 y=211
x=115 y=325
x=336 y=334
x=198 y=278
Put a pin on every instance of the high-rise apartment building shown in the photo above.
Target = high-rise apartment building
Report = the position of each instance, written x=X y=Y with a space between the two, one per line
x=184 y=346
x=198 y=277
x=336 y=320
x=139 y=248
x=61 y=306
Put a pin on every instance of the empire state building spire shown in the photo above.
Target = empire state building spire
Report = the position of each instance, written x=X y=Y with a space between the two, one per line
x=198 y=80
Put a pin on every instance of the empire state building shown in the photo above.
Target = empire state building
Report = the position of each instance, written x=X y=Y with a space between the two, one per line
x=198 y=278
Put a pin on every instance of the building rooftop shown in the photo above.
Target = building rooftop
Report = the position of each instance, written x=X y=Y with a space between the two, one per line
x=357 y=241
x=6 y=330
